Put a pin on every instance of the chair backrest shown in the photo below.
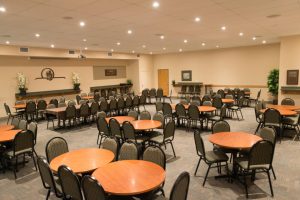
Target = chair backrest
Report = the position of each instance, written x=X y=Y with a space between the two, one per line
x=220 y=126
x=217 y=102
x=128 y=151
x=156 y=155
x=54 y=101
x=55 y=147
x=152 y=92
x=261 y=153
x=15 y=122
x=103 y=105
x=228 y=96
x=180 y=110
x=46 y=175
x=101 y=114
x=94 y=108
x=159 y=117
x=167 y=109
x=33 y=128
x=142 y=100
x=78 y=98
x=221 y=92
x=112 y=145
x=70 y=184
x=200 y=148
x=23 y=141
x=288 y=101
x=84 y=109
x=7 y=109
x=115 y=128
x=196 y=103
x=272 y=116
x=113 y=104
x=30 y=107
x=207 y=103
x=70 y=111
x=136 y=100
x=23 y=124
x=169 y=130
x=91 y=188
x=102 y=126
x=158 y=106
x=181 y=187
x=145 y=115
x=133 y=114
x=258 y=94
x=97 y=97
x=184 y=101
x=128 y=102
x=206 y=98
x=223 y=112
x=193 y=112
x=145 y=92
x=269 y=134
x=62 y=99
x=62 y=104
x=128 y=131
x=82 y=101
x=83 y=94
x=159 y=93
x=121 y=103
x=41 y=104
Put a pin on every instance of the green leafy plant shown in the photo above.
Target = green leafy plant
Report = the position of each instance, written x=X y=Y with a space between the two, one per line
x=129 y=82
x=273 y=80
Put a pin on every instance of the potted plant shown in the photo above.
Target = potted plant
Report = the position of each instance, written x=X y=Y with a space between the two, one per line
x=129 y=82
x=21 y=83
x=273 y=82
x=76 y=81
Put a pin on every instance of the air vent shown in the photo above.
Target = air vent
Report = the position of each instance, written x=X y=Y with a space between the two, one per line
x=71 y=51
x=24 y=49
x=109 y=53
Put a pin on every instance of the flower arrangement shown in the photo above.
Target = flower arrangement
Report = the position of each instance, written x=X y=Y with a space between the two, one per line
x=21 y=78
x=76 y=81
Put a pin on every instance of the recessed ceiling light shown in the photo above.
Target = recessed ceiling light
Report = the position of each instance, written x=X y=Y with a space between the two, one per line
x=162 y=37
x=180 y=50
x=118 y=43
x=151 y=53
x=223 y=28
x=82 y=23
x=52 y=46
x=129 y=31
x=112 y=50
x=203 y=44
x=7 y=42
x=144 y=46
x=155 y=4
x=37 y=35
x=241 y=34
x=185 y=41
x=217 y=46
x=85 y=48
x=253 y=38
x=264 y=41
x=133 y=51
x=2 y=9
x=197 y=19
x=164 y=48
x=84 y=39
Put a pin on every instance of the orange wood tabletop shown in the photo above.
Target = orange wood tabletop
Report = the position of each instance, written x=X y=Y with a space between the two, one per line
x=121 y=119
x=83 y=160
x=234 y=140
x=87 y=97
x=283 y=107
x=20 y=106
x=59 y=109
x=283 y=112
x=6 y=127
x=227 y=100
x=146 y=124
x=6 y=136
x=201 y=108
x=130 y=177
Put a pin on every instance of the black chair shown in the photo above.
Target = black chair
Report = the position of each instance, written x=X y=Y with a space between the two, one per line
x=54 y=102
x=23 y=144
x=167 y=112
x=70 y=184
x=113 y=108
x=112 y=145
x=143 y=100
x=70 y=115
x=94 y=108
x=121 y=106
x=103 y=106
x=128 y=151
x=181 y=115
x=115 y=130
x=272 y=118
x=78 y=98
x=55 y=147
x=136 y=103
x=288 y=101
x=10 y=114
x=130 y=135
x=41 y=108
x=128 y=104
x=84 y=113
x=30 y=111
x=159 y=94
x=103 y=129
x=47 y=178
x=194 y=117
x=152 y=94
x=92 y=190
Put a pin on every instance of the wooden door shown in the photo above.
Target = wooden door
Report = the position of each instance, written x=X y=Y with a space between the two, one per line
x=163 y=80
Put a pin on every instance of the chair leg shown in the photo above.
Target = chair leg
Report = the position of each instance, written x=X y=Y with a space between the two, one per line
x=273 y=172
x=241 y=113
x=197 y=166
x=245 y=184
x=270 y=183
x=173 y=149
x=258 y=126
x=34 y=161
x=48 y=194
x=206 y=175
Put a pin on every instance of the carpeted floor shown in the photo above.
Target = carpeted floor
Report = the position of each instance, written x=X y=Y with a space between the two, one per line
x=28 y=186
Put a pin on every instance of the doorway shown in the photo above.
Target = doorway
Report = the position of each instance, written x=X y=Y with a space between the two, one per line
x=163 y=80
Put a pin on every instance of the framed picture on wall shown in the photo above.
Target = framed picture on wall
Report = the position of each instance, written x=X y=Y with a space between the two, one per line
x=186 y=75
x=292 y=77
x=110 y=72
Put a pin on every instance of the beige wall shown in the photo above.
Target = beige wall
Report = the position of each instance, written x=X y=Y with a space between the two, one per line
x=241 y=66
x=289 y=60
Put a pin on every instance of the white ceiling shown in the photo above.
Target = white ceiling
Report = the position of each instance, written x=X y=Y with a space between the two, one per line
x=107 y=22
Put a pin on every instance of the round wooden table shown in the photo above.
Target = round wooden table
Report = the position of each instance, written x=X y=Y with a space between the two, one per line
x=146 y=124
x=283 y=112
x=83 y=160
x=6 y=136
x=6 y=127
x=234 y=140
x=20 y=106
x=283 y=107
x=87 y=97
x=130 y=177
x=227 y=101
x=121 y=119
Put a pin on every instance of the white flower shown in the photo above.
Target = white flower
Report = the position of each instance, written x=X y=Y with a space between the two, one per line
x=75 y=78
x=21 y=80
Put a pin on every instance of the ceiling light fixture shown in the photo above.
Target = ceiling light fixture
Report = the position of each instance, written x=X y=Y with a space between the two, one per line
x=82 y=23
x=155 y=4
x=151 y=53
x=241 y=34
x=223 y=28
x=180 y=50
x=217 y=46
x=85 y=48
x=162 y=37
x=264 y=41
x=84 y=40
x=2 y=9
x=253 y=38
x=37 y=35
x=112 y=50
x=129 y=32
x=144 y=46
x=7 y=42
x=118 y=43
x=203 y=44
x=197 y=19
x=133 y=51
x=185 y=41
x=52 y=46
x=164 y=48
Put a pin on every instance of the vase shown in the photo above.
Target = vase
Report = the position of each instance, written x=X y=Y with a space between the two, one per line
x=76 y=86
x=22 y=91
